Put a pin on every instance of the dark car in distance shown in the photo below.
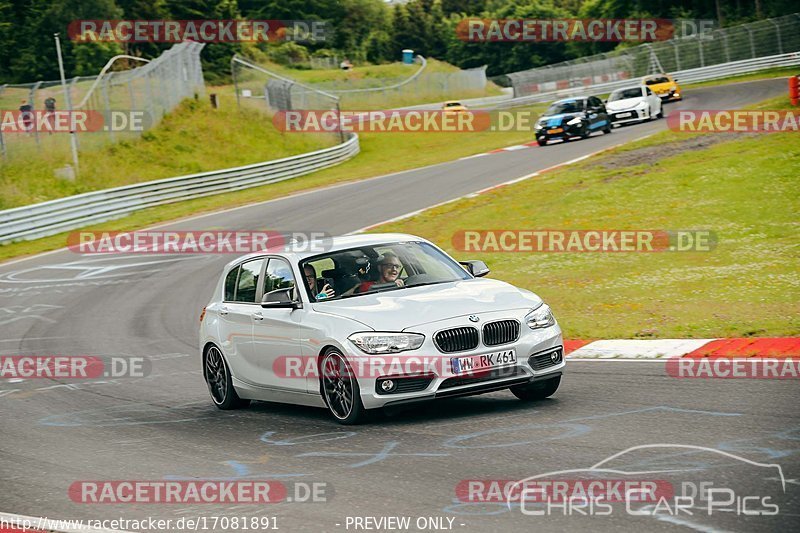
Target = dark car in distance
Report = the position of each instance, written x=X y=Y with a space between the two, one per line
x=572 y=117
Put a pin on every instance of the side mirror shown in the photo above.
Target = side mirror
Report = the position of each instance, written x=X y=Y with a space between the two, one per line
x=280 y=299
x=476 y=268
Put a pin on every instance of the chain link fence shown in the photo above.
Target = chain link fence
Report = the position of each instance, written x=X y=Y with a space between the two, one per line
x=155 y=88
x=254 y=82
x=748 y=41
x=264 y=91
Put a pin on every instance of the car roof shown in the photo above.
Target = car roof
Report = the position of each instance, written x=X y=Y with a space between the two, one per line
x=333 y=244
x=629 y=87
x=573 y=99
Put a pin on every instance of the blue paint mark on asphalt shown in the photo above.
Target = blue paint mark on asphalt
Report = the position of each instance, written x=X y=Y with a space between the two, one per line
x=373 y=457
x=306 y=439
x=571 y=428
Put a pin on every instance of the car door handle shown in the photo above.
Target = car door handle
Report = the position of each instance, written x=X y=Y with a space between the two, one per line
x=258 y=316
x=223 y=310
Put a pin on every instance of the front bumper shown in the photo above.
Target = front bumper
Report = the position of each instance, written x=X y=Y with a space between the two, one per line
x=670 y=95
x=629 y=115
x=534 y=363
x=562 y=131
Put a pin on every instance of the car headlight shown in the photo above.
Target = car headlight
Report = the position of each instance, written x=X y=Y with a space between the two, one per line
x=575 y=121
x=539 y=126
x=380 y=342
x=541 y=317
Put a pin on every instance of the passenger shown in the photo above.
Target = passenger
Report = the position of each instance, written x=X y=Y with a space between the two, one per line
x=310 y=274
x=389 y=267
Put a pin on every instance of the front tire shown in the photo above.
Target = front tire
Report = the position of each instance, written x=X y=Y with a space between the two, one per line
x=340 y=389
x=536 y=390
x=541 y=142
x=220 y=384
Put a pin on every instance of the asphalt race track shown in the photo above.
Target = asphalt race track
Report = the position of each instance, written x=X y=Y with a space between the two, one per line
x=164 y=426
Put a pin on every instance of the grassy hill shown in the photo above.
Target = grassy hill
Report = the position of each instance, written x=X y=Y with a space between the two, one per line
x=193 y=138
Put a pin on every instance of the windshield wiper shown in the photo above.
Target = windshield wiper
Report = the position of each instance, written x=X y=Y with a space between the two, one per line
x=423 y=283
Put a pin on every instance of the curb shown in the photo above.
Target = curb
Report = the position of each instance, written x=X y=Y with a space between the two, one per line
x=658 y=349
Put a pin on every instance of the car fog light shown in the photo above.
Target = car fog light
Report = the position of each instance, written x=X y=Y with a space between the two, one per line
x=387 y=385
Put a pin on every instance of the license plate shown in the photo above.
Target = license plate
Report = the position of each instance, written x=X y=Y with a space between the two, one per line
x=623 y=115
x=478 y=363
x=556 y=130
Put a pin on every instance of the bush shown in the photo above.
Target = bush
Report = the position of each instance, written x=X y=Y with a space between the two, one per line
x=289 y=53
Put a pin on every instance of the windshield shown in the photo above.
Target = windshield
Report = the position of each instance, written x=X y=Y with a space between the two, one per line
x=452 y=104
x=568 y=106
x=377 y=268
x=655 y=81
x=624 y=94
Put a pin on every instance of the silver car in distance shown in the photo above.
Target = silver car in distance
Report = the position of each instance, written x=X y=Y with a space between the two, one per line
x=375 y=321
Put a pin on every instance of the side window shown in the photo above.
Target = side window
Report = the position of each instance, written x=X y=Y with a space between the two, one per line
x=247 y=284
x=279 y=275
x=649 y=92
x=230 y=284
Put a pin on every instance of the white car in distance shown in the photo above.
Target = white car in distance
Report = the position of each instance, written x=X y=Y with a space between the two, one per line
x=358 y=315
x=633 y=104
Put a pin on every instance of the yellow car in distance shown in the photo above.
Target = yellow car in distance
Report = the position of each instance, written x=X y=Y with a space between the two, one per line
x=454 y=106
x=663 y=86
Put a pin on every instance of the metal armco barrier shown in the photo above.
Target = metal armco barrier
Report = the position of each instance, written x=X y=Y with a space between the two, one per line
x=56 y=216
x=683 y=77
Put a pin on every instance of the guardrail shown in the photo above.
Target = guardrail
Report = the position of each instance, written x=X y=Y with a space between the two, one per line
x=56 y=216
x=695 y=75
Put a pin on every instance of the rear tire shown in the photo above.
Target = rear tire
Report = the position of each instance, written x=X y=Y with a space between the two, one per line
x=340 y=389
x=607 y=129
x=218 y=378
x=536 y=390
x=660 y=112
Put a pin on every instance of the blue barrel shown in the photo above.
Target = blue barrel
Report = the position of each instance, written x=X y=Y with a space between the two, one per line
x=408 y=56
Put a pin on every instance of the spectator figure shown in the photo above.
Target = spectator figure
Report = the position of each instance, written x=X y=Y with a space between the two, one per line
x=346 y=64
x=26 y=115
x=50 y=111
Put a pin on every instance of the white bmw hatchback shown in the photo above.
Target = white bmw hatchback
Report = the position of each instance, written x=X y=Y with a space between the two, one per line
x=375 y=321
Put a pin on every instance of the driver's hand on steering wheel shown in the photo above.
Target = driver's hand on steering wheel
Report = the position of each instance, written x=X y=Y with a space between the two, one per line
x=399 y=282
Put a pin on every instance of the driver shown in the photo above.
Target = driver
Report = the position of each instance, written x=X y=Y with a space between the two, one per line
x=389 y=267
x=310 y=273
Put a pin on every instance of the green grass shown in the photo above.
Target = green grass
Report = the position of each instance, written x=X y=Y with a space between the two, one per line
x=192 y=139
x=428 y=87
x=746 y=190
x=360 y=75
x=381 y=153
